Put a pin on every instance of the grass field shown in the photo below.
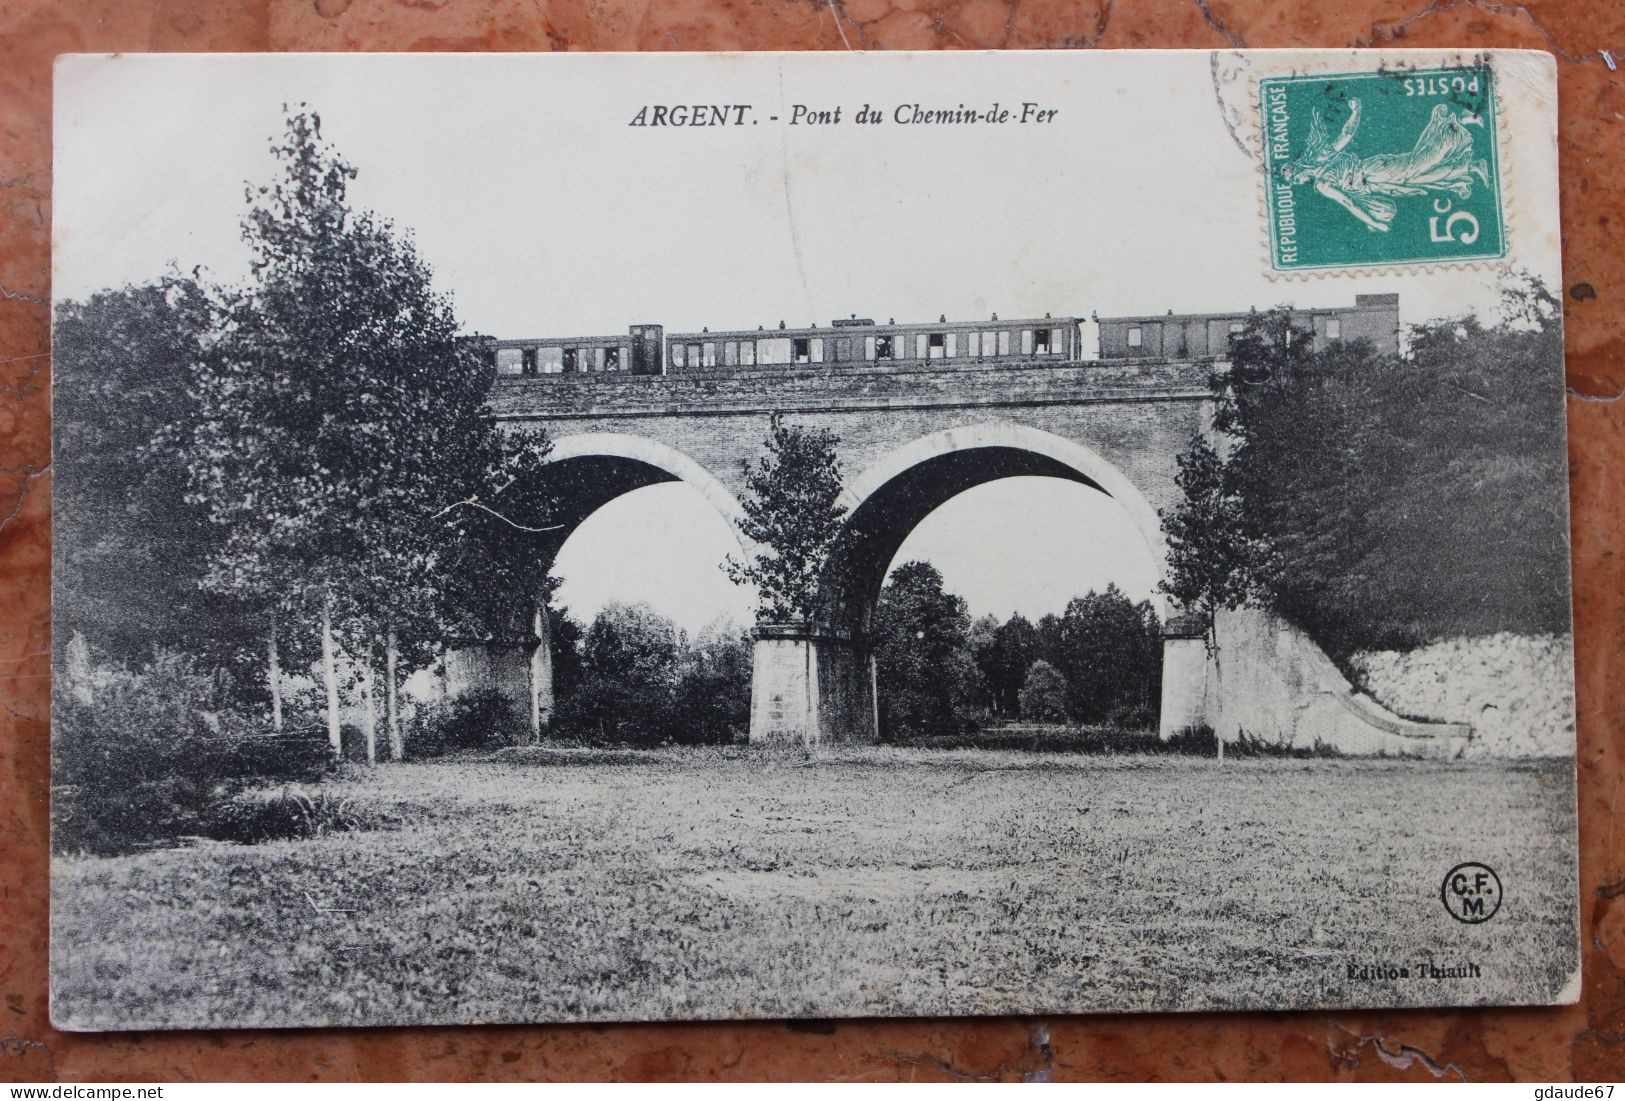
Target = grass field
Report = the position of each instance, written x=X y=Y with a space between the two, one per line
x=561 y=885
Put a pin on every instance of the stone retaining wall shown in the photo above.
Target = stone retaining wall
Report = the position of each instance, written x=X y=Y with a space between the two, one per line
x=1517 y=691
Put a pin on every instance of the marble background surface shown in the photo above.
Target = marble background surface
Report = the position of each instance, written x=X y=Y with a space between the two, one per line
x=1585 y=1041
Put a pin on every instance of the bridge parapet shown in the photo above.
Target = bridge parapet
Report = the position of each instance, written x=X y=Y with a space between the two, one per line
x=844 y=387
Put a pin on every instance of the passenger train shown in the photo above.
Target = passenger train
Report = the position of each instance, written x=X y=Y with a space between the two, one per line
x=861 y=342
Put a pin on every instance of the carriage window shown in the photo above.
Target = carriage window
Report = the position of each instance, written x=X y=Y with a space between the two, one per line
x=1026 y=342
x=730 y=353
x=920 y=348
x=936 y=346
x=572 y=360
x=747 y=353
x=507 y=361
x=709 y=354
x=801 y=350
x=550 y=360
x=1334 y=328
x=1004 y=342
x=677 y=355
x=818 y=349
x=951 y=341
x=1236 y=327
x=1055 y=341
x=612 y=359
x=1136 y=336
x=1041 y=344
x=527 y=361
x=883 y=348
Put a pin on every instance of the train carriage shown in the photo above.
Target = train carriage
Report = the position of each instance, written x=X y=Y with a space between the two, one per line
x=858 y=342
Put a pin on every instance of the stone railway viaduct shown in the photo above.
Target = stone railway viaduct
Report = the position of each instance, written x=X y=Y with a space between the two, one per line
x=913 y=434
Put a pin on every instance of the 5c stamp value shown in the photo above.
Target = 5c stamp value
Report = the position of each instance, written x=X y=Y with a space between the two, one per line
x=1371 y=169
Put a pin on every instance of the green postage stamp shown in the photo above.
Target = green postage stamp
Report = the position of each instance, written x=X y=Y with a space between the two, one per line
x=1395 y=166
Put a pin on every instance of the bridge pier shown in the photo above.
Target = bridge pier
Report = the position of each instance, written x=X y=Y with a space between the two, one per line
x=811 y=685
x=1184 y=677
x=518 y=664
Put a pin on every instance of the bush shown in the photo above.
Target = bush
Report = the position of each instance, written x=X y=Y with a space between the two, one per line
x=1043 y=693
x=1047 y=738
x=288 y=814
x=352 y=743
x=1109 y=739
x=1193 y=741
x=1132 y=716
x=144 y=762
x=1201 y=741
x=1384 y=501
x=643 y=683
x=477 y=721
x=1249 y=745
x=710 y=704
x=604 y=712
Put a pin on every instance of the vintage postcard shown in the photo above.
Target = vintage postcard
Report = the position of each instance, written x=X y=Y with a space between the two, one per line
x=593 y=538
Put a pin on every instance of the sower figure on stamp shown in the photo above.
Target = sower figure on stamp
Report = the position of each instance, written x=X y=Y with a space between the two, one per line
x=1442 y=160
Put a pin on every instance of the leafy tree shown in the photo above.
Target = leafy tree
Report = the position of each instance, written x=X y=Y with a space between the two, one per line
x=1015 y=649
x=1043 y=693
x=1003 y=653
x=793 y=515
x=1209 y=552
x=983 y=644
x=1112 y=658
x=496 y=544
x=642 y=681
x=628 y=675
x=344 y=444
x=1048 y=641
x=131 y=549
x=564 y=635
x=1385 y=501
x=926 y=676
x=711 y=698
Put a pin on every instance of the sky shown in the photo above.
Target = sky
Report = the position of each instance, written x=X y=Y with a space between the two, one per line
x=543 y=212
x=1023 y=545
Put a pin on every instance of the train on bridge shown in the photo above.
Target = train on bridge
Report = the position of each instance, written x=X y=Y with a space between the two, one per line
x=860 y=342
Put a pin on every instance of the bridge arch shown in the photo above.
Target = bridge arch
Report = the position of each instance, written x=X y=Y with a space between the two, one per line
x=594 y=468
x=587 y=470
x=890 y=498
x=818 y=682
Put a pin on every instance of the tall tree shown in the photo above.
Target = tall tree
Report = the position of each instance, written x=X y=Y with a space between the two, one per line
x=983 y=641
x=1015 y=649
x=711 y=698
x=345 y=439
x=793 y=515
x=1048 y=642
x=1385 y=501
x=628 y=675
x=925 y=673
x=1111 y=651
x=1043 y=693
x=131 y=550
x=1210 y=551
